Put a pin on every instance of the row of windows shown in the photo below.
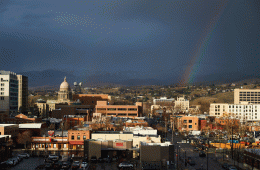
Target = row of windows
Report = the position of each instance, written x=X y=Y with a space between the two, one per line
x=78 y=137
x=185 y=126
x=113 y=109
x=185 y=121
x=240 y=110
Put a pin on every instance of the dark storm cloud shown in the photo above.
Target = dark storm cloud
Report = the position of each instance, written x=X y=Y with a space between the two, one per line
x=137 y=38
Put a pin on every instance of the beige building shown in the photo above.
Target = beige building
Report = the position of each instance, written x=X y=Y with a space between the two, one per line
x=9 y=129
x=22 y=93
x=181 y=104
x=247 y=95
x=119 y=110
x=112 y=135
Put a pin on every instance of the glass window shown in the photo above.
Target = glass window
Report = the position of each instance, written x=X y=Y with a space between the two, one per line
x=54 y=145
x=190 y=121
x=78 y=137
x=184 y=121
x=190 y=126
x=72 y=137
x=84 y=137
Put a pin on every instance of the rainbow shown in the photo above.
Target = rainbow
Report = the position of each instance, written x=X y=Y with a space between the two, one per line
x=199 y=51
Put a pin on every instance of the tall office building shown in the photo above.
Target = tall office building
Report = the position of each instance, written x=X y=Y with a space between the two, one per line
x=22 y=93
x=13 y=92
x=247 y=96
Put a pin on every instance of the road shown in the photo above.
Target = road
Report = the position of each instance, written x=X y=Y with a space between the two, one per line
x=201 y=162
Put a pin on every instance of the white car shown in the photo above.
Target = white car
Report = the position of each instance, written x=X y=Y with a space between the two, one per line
x=12 y=161
x=53 y=157
x=125 y=165
x=24 y=155
x=84 y=165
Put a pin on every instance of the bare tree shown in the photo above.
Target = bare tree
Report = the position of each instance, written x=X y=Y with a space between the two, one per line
x=24 y=138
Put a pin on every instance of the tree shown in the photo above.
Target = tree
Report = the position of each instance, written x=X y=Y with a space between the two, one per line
x=24 y=138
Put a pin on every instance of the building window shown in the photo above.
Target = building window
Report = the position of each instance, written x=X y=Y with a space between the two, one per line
x=184 y=126
x=190 y=121
x=195 y=123
x=54 y=145
x=184 y=121
x=84 y=137
x=190 y=126
x=78 y=137
x=2 y=89
x=2 y=98
x=72 y=137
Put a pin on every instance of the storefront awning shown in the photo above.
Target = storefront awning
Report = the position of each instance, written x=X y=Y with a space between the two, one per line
x=76 y=142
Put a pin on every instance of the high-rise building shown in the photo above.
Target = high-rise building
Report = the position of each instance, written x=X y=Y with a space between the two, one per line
x=22 y=93
x=9 y=92
x=13 y=92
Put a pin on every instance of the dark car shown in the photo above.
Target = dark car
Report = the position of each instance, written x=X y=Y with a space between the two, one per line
x=85 y=159
x=93 y=159
x=75 y=165
x=48 y=165
x=65 y=165
x=100 y=160
x=108 y=160
x=225 y=166
x=202 y=154
x=57 y=165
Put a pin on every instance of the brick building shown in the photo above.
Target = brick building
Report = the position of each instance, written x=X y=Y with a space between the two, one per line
x=131 y=111
x=91 y=99
x=188 y=123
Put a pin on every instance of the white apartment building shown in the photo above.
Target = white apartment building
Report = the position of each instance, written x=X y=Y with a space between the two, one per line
x=163 y=99
x=13 y=92
x=243 y=112
x=182 y=104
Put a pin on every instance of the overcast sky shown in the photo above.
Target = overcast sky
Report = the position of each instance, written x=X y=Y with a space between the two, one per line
x=134 y=38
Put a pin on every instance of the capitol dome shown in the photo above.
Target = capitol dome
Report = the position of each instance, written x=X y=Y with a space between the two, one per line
x=64 y=85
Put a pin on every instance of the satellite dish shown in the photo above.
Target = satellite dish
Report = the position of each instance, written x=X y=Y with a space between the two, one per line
x=75 y=83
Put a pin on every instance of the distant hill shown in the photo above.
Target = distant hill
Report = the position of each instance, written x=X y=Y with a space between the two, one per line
x=53 y=78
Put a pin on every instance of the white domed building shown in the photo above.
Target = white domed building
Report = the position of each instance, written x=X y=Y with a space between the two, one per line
x=64 y=95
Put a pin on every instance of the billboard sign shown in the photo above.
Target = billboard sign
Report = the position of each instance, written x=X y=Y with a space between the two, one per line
x=119 y=144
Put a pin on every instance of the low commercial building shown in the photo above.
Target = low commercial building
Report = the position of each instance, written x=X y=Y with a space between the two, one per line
x=112 y=148
x=9 y=129
x=156 y=154
x=119 y=110
x=76 y=138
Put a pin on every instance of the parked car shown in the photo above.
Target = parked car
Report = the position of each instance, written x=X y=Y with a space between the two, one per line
x=93 y=159
x=202 y=154
x=84 y=165
x=125 y=165
x=57 y=165
x=85 y=159
x=232 y=168
x=65 y=165
x=225 y=166
x=19 y=158
x=53 y=157
x=24 y=155
x=49 y=165
x=75 y=165
x=100 y=160
x=108 y=160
